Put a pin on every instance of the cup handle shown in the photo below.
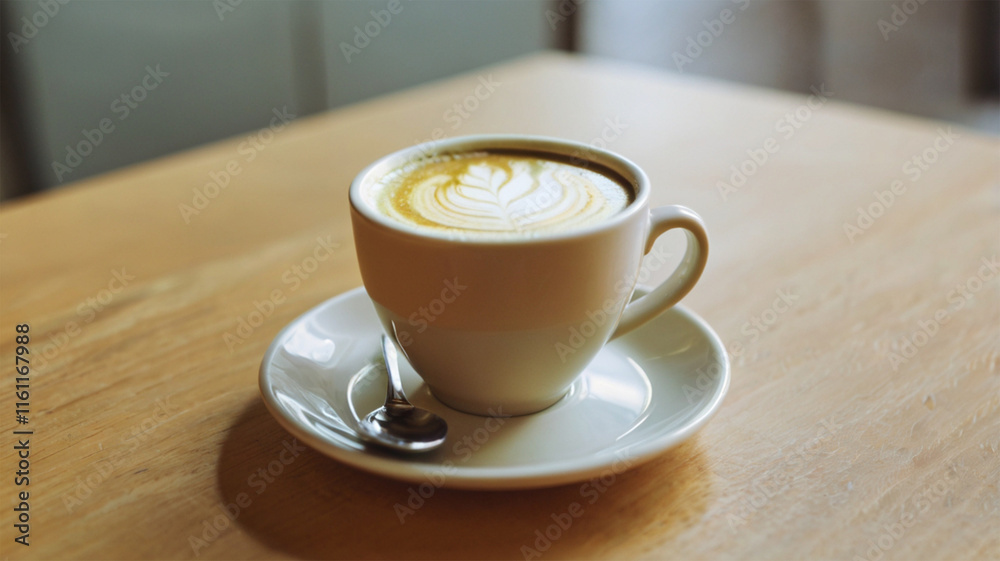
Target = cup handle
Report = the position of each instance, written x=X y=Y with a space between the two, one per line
x=682 y=280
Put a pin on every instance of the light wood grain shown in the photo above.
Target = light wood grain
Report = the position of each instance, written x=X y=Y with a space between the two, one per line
x=819 y=450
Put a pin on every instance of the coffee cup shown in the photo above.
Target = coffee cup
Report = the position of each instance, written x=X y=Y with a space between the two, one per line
x=502 y=264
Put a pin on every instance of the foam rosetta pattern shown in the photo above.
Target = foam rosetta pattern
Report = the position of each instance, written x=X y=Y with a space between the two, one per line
x=499 y=194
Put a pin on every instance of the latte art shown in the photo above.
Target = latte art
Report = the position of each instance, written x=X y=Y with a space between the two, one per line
x=498 y=194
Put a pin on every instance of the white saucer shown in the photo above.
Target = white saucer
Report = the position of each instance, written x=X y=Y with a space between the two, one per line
x=644 y=393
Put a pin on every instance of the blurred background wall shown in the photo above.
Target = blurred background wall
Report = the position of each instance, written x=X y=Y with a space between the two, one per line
x=139 y=79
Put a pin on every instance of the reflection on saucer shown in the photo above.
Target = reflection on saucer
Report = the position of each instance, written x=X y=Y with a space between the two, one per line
x=634 y=401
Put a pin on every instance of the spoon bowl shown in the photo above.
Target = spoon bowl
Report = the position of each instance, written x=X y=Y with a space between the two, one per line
x=418 y=430
x=398 y=424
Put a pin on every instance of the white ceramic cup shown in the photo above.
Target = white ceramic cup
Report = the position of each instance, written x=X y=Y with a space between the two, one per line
x=505 y=326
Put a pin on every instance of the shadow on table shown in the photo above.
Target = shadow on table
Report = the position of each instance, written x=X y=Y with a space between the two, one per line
x=316 y=507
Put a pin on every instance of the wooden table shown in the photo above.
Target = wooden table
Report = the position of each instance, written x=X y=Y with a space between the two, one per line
x=862 y=422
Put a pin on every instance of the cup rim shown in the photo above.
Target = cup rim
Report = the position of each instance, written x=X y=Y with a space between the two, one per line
x=621 y=165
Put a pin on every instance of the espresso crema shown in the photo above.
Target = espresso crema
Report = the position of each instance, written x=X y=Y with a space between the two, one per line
x=497 y=195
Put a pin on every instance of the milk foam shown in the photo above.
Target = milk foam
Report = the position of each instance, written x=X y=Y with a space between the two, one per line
x=497 y=195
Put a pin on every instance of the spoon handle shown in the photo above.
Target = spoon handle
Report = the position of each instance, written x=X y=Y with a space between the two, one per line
x=394 y=392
